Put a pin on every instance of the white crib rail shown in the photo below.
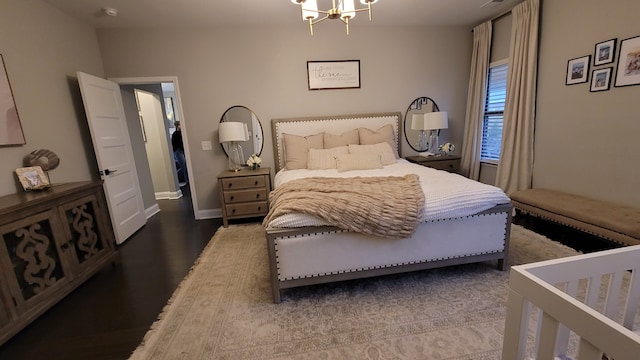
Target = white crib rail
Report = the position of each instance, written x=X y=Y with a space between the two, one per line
x=601 y=323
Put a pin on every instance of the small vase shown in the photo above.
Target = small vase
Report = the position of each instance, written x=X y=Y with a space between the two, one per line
x=255 y=167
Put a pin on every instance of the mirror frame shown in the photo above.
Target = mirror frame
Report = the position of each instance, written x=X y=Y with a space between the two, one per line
x=222 y=119
x=417 y=105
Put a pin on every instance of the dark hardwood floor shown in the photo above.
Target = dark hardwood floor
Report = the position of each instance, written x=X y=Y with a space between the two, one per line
x=107 y=316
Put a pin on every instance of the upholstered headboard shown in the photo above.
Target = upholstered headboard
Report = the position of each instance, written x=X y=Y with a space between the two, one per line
x=330 y=124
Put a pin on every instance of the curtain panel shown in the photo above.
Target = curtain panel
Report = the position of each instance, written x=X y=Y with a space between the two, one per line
x=472 y=141
x=515 y=169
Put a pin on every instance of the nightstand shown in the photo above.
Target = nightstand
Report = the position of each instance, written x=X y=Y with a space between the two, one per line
x=450 y=163
x=244 y=193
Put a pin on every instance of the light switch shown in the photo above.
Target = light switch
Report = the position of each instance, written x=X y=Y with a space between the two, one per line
x=206 y=145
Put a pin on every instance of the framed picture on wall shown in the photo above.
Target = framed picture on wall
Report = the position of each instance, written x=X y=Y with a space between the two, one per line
x=10 y=127
x=578 y=70
x=600 y=79
x=628 y=72
x=333 y=74
x=605 y=52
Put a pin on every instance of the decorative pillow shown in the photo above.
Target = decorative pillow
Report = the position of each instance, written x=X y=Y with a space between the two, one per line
x=362 y=161
x=387 y=156
x=321 y=159
x=347 y=138
x=296 y=149
x=385 y=133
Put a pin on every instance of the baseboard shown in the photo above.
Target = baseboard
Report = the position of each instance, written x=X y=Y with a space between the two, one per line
x=169 y=195
x=152 y=210
x=209 y=214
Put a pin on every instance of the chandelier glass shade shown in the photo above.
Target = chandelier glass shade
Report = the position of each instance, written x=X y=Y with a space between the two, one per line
x=344 y=10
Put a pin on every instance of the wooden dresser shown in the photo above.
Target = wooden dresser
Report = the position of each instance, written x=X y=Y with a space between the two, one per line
x=52 y=241
x=244 y=193
x=450 y=163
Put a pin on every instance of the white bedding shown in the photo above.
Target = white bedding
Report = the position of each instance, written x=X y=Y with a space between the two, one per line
x=447 y=195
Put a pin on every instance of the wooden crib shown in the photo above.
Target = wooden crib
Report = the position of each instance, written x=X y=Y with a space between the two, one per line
x=579 y=307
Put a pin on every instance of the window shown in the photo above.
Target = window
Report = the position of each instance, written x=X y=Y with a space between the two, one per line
x=494 y=112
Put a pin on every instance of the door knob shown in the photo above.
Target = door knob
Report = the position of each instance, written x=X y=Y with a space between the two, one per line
x=107 y=172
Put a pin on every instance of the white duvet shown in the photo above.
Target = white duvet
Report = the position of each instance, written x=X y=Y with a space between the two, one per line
x=447 y=195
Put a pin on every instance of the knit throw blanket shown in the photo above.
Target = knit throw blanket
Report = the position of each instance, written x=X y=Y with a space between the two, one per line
x=380 y=206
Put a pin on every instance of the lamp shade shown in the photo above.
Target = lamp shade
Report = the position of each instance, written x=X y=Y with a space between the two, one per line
x=436 y=120
x=232 y=131
x=309 y=9
x=348 y=9
x=417 y=122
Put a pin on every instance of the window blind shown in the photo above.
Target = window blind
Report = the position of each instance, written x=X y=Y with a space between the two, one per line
x=494 y=112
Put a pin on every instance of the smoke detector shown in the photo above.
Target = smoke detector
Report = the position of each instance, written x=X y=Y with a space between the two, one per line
x=109 y=11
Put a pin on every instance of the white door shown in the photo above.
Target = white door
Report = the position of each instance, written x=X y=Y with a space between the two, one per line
x=112 y=145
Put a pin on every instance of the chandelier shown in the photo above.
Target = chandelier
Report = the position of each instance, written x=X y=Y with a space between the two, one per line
x=345 y=11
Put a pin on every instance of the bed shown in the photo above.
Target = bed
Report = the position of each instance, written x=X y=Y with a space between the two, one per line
x=581 y=307
x=305 y=250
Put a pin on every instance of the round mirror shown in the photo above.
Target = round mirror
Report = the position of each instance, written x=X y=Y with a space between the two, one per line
x=256 y=135
x=416 y=138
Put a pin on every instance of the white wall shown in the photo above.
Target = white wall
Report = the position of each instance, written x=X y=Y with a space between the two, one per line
x=42 y=50
x=264 y=69
x=156 y=144
x=586 y=143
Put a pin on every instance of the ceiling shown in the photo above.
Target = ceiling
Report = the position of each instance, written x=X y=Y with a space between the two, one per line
x=206 y=13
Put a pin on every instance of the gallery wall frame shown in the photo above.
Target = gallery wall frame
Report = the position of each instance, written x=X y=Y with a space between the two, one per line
x=604 y=52
x=628 y=69
x=578 y=70
x=601 y=79
x=333 y=74
x=11 y=133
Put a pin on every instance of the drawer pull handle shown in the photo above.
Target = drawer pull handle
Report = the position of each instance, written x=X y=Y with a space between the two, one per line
x=257 y=196
x=233 y=210
x=231 y=198
x=259 y=208
x=256 y=183
x=230 y=184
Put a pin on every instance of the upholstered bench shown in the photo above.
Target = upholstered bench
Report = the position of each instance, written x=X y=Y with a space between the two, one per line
x=614 y=222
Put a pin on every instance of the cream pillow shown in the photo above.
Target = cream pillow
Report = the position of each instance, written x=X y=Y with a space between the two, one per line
x=362 y=161
x=322 y=159
x=385 y=133
x=346 y=138
x=387 y=156
x=296 y=148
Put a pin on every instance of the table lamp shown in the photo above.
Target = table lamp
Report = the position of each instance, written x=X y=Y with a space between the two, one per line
x=231 y=133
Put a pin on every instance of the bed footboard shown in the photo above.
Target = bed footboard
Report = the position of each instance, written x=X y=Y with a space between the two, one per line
x=307 y=256
x=580 y=307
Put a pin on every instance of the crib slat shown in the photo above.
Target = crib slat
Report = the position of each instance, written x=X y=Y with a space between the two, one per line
x=632 y=300
x=594 y=291
x=547 y=337
x=562 y=340
x=516 y=325
x=613 y=295
x=588 y=352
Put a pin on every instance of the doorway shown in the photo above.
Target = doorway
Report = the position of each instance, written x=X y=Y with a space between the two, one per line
x=161 y=87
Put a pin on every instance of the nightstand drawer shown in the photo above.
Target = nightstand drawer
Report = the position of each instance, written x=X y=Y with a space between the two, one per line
x=243 y=182
x=253 y=208
x=448 y=165
x=238 y=196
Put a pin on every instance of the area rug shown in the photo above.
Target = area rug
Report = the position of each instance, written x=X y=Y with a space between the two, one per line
x=223 y=309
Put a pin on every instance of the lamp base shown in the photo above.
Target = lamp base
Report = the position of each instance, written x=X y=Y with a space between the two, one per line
x=236 y=156
x=433 y=142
